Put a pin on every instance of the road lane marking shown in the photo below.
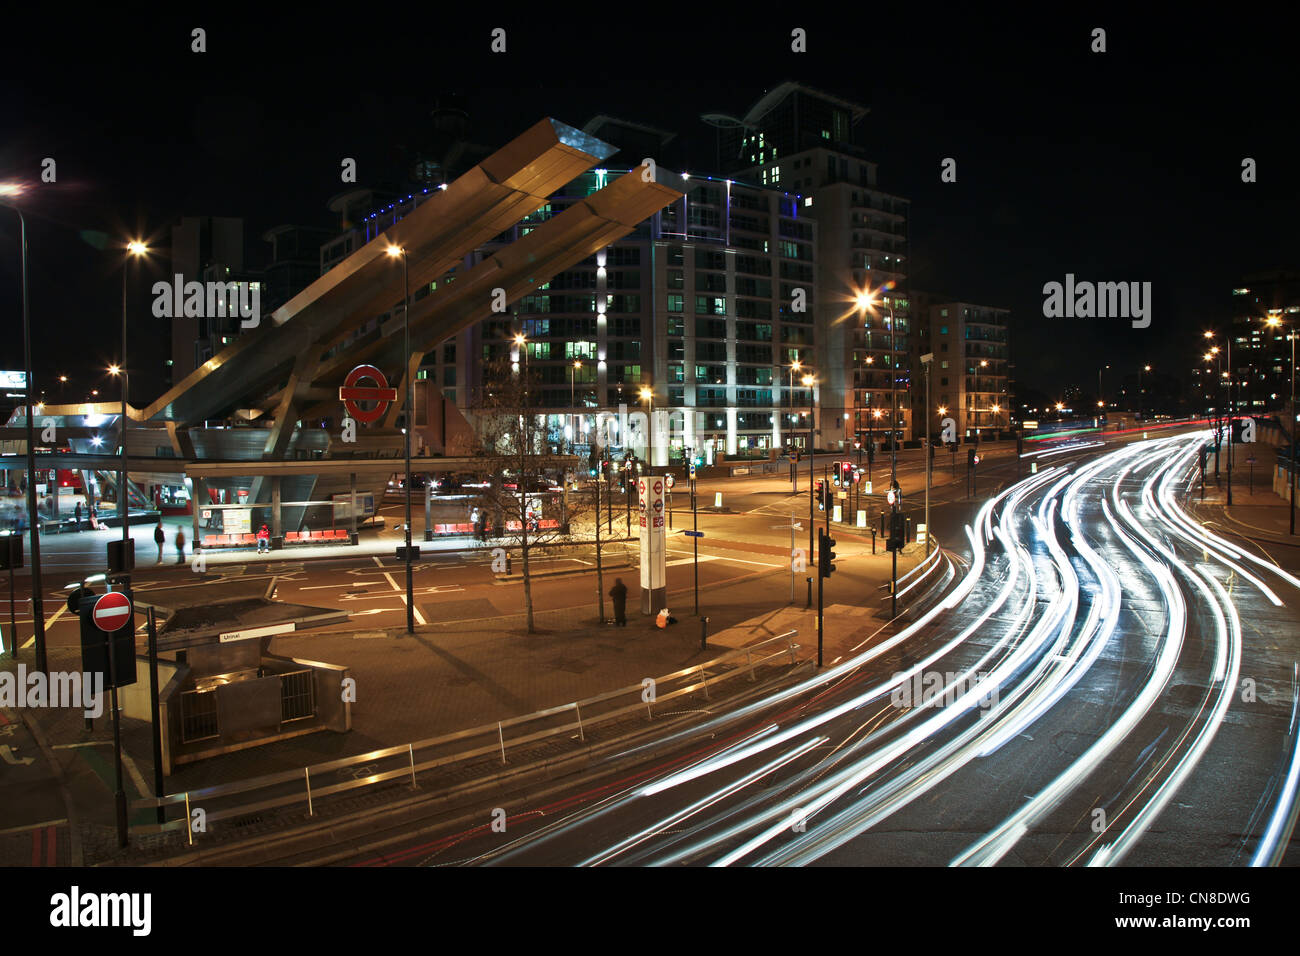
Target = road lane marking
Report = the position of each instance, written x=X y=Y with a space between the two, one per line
x=419 y=618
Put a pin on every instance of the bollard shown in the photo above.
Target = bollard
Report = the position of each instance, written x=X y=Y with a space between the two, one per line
x=704 y=633
x=809 y=604
x=873 y=540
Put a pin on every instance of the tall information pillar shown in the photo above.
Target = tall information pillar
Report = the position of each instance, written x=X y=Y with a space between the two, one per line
x=654 y=585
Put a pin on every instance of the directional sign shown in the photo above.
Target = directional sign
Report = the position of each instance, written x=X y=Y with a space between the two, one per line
x=112 y=611
x=694 y=534
x=692 y=469
x=353 y=393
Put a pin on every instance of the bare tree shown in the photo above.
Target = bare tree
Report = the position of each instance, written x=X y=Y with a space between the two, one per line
x=527 y=500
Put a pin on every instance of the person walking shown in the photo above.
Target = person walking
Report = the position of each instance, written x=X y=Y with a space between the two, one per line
x=160 y=538
x=77 y=516
x=619 y=593
x=180 y=546
x=264 y=540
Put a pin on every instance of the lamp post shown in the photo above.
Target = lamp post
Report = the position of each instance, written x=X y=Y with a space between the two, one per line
x=396 y=251
x=1231 y=409
x=1144 y=368
x=573 y=402
x=809 y=381
x=794 y=471
x=33 y=520
x=926 y=360
x=1101 y=403
x=1291 y=335
x=133 y=249
x=867 y=300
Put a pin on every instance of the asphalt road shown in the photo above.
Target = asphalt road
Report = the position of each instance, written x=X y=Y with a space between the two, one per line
x=1107 y=683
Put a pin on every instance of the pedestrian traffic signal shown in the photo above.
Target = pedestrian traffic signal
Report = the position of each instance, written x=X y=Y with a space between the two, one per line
x=825 y=553
x=970 y=457
x=821 y=495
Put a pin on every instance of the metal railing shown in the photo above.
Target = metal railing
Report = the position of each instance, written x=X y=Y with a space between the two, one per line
x=497 y=740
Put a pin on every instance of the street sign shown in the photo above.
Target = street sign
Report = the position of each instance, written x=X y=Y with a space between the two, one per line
x=415 y=553
x=692 y=469
x=669 y=481
x=112 y=611
x=352 y=392
x=267 y=631
x=694 y=534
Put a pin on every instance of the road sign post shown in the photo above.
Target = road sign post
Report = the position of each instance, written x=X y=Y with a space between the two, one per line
x=101 y=620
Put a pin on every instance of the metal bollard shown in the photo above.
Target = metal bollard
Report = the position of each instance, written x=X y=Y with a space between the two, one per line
x=704 y=633
x=873 y=540
x=809 y=604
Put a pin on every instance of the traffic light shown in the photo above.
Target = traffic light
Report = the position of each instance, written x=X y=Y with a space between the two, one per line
x=897 y=530
x=846 y=470
x=871 y=454
x=835 y=473
x=825 y=553
x=970 y=457
x=821 y=495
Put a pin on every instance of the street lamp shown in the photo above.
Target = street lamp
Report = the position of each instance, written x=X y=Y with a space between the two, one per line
x=1228 y=363
x=1274 y=322
x=809 y=381
x=1144 y=368
x=33 y=521
x=399 y=252
x=134 y=249
x=573 y=402
x=867 y=300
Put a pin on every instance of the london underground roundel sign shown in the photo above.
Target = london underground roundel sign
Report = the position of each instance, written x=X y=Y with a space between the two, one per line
x=353 y=393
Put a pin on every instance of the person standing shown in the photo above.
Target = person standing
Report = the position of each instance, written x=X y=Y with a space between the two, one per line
x=160 y=538
x=619 y=593
x=180 y=546
x=77 y=516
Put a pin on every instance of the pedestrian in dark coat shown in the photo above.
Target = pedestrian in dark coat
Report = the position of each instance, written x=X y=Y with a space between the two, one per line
x=160 y=538
x=619 y=593
x=180 y=546
x=77 y=516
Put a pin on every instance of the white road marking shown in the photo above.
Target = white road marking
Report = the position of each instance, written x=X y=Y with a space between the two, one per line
x=419 y=618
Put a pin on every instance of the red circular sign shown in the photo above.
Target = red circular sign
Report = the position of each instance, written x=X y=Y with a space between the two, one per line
x=111 y=611
x=353 y=392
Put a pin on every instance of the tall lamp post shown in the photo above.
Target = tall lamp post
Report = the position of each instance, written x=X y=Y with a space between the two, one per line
x=133 y=249
x=1144 y=368
x=1231 y=409
x=33 y=519
x=926 y=360
x=395 y=252
x=573 y=402
x=1291 y=334
x=794 y=472
x=809 y=381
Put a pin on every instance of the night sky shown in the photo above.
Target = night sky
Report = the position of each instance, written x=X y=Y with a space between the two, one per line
x=1120 y=166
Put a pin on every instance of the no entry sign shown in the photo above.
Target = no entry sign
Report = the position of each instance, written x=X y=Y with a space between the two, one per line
x=112 y=611
x=352 y=393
